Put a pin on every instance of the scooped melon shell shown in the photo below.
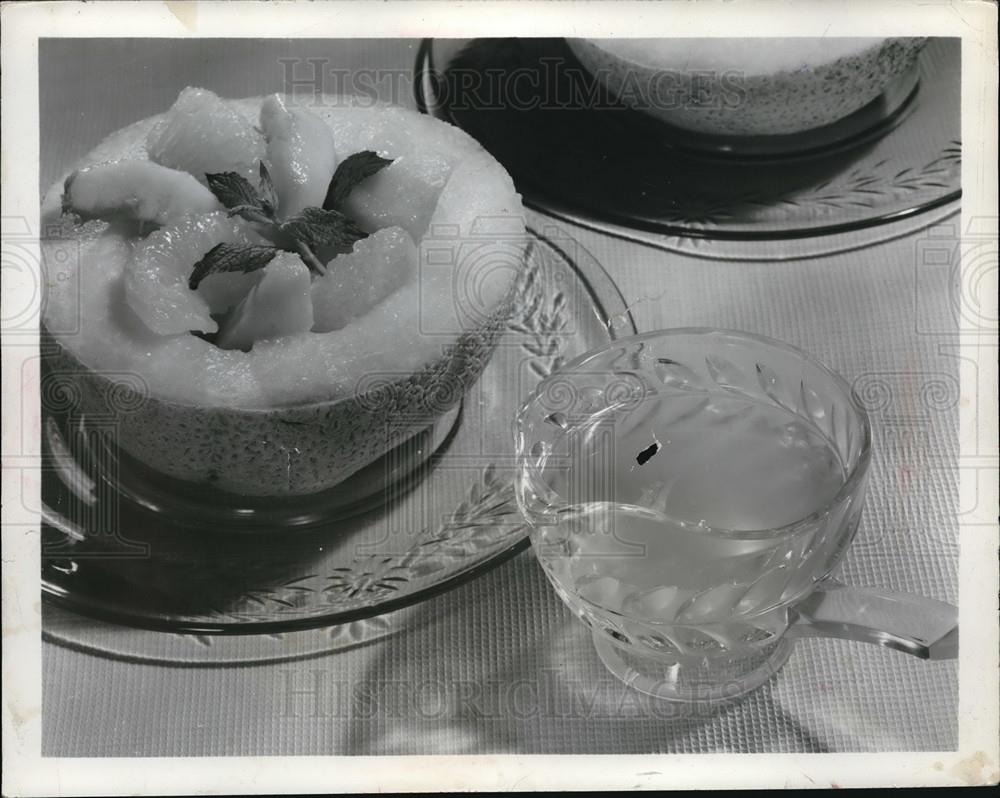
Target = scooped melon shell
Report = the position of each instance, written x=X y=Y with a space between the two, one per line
x=284 y=451
x=265 y=436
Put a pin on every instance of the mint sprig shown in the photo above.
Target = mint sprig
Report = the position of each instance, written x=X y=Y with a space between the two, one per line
x=231 y=258
x=317 y=227
x=349 y=173
x=237 y=194
x=313 y=228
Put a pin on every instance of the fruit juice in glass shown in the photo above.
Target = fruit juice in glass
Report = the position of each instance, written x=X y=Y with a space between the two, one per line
x=679 y=514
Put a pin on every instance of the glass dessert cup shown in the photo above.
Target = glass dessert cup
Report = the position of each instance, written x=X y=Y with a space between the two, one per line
x=690 y=492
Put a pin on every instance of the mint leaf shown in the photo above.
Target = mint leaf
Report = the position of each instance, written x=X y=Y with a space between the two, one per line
x=325 y=230
x=316 y=227
x=351 y=171
x=233 y=190
x=231 y=258
x=268 y=194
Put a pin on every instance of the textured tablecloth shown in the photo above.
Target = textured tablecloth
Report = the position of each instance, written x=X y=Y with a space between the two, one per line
x=499 y=665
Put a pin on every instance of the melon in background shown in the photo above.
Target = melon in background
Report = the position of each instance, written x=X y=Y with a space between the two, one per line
x=749 y=86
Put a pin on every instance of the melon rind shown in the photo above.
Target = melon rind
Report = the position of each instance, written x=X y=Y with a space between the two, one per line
x=267 y=437
x=724 y=97
x=284 y=451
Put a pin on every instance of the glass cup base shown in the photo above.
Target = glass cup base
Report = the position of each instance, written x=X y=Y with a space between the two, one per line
x=692 y=680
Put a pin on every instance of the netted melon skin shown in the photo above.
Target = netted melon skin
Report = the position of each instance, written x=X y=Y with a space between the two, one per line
x=285 y=451
x=756 y=105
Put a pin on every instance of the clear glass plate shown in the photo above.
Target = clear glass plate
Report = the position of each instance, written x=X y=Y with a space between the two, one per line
x=448 y=520
x=623 y=173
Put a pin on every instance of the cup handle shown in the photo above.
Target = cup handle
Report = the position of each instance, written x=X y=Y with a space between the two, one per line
x=913 y=624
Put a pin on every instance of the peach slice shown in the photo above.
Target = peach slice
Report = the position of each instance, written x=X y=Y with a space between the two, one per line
x=202 y=134
x=300 y=154
x=277 y=306
x=404 y=194
x=156 y=277
x=136 y=189
x=358 y=281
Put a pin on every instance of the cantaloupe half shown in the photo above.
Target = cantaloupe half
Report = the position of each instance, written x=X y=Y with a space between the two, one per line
x=749 y=86
x=296 y=413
